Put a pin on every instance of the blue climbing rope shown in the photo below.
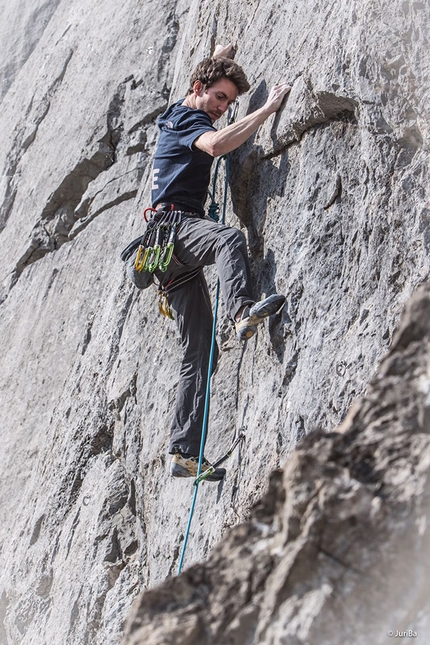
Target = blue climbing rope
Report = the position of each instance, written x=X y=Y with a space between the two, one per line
x=211 y=361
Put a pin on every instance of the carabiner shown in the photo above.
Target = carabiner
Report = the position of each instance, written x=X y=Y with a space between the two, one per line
x=146 y=210
x=153 y=260
x=204 y=475
x=164 y=261
x=163 y=305
x=140 y=260
x=232 y=112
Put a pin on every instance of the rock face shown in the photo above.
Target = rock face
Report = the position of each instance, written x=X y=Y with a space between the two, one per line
x=333 y=195
x=339 y=548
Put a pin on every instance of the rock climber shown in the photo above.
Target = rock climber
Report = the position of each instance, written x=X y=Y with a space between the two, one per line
x=187 y=145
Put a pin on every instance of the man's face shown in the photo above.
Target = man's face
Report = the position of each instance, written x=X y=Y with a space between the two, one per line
x=217 y=98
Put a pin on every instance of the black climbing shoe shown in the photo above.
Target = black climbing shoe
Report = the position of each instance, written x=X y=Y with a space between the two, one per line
x=186 y=466
x=256 y=313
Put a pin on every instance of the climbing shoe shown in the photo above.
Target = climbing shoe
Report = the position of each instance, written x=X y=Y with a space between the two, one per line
x=256 y=313
x=186 y=466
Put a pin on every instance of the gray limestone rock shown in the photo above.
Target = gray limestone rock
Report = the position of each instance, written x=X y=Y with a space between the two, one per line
x=333 y=196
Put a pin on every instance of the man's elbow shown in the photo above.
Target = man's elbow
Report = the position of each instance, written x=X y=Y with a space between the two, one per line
x=212 y=149
x=216 y=150
x=209 y=145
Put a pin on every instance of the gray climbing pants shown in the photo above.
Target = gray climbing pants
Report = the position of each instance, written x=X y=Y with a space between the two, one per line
x=201 y=242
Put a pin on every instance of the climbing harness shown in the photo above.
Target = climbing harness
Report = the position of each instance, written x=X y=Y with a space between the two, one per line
x=156 y=248
x=214 y=208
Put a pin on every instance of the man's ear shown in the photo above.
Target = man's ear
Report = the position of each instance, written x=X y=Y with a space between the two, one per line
x=198 y=88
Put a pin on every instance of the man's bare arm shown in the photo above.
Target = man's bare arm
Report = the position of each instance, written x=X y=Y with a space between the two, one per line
x=231 y=137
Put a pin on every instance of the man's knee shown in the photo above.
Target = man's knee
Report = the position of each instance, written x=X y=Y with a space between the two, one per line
x=234 y=238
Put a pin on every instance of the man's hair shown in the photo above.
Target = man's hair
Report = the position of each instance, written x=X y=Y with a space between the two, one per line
x=212 y=70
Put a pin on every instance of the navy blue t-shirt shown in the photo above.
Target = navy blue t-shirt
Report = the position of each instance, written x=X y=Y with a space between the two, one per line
x=181 y=173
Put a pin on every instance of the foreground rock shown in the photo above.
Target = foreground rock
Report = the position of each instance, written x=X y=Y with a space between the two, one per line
x=339 y=548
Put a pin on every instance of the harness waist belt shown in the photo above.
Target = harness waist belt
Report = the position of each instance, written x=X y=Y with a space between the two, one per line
x=177 y=206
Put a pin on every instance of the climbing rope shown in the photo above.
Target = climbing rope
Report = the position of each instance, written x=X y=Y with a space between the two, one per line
x=213 y=212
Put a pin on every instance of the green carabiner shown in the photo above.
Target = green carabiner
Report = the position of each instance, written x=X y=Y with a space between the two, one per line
x=153 y=260
x=166 y=257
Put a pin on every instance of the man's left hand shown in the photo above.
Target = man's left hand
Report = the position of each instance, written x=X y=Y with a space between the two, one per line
x=227 y=51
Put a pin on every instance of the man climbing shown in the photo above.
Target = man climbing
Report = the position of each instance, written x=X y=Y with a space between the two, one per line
x=187 y=145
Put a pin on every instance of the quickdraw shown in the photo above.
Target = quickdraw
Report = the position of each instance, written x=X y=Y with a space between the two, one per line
x=166 y=256
x=163 y=305
x=240 y=437
x=140 y=260
x=156 y=248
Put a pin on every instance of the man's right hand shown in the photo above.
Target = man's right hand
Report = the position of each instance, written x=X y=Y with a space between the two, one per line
x=276 y=96
x=231 y=137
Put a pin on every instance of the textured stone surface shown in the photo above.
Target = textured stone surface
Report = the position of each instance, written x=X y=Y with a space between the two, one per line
x=333 y=195
x=22 y=26
x=339 y=546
